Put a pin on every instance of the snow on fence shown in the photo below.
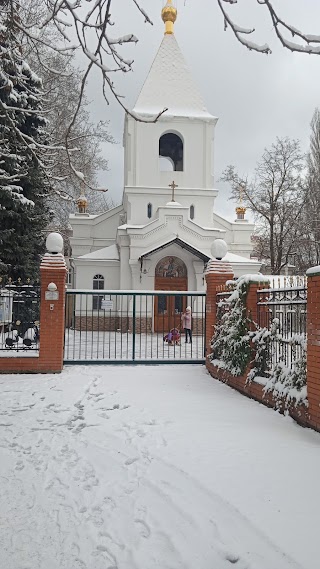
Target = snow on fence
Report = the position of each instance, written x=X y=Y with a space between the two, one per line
x=283 y=312
x=19 y=316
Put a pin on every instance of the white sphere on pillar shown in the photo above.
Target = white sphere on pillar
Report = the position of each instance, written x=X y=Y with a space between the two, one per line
x=54 y=243
x=219 y=249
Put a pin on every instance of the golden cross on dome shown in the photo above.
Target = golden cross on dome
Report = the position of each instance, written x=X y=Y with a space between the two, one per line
x=173 y=186
x=241 y=191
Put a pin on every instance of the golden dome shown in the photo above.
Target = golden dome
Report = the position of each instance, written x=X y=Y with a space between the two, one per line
x=82 y=204
x=241 y=212
x=241 y=209
x=169 y=16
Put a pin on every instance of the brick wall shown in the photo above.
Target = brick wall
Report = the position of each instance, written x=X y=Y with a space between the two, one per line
x=256 y=391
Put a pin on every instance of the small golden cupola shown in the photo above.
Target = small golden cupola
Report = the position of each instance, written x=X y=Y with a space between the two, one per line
x=82 y=201
x=169 y=16
x=241 y=209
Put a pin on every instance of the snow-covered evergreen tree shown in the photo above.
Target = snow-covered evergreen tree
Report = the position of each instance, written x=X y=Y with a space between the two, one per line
x=23 y=186
x=231 y=339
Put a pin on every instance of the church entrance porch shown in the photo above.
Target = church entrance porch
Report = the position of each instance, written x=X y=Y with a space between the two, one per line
x=121 y=326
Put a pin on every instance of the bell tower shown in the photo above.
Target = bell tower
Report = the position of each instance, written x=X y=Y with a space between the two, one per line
x=175 y=142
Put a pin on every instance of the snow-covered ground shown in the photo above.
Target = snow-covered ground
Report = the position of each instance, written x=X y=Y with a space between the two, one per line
x=90 y=345
x=152 y=467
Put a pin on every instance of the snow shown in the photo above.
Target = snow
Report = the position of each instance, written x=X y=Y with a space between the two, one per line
x=233 y=258
x=173 y=204
x=89 y=345
x=151 y=467
x=313 y=271
x=254 y=278
x=110 y=253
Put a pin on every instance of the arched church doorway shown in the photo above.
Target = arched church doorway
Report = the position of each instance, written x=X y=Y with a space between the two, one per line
x=170 y=274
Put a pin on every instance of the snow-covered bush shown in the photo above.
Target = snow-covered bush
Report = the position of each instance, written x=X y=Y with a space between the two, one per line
x=261 y=339
x=286 y=380
x=231 y=339
x=238 y=341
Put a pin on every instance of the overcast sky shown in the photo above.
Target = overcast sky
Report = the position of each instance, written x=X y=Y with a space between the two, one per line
x=256 y=97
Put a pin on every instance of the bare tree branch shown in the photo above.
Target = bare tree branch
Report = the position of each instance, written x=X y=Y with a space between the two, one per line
x=310 y=42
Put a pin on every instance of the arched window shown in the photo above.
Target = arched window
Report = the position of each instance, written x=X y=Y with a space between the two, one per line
x=98 y=284
x=192 y=212
x=171 y=149
x=149 y=210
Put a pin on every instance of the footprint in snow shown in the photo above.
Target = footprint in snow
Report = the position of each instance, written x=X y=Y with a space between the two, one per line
x=109 y=501
x=19 y=465
x=141 y=433
x=131 y=460
x=143 y=528
x=104 y=415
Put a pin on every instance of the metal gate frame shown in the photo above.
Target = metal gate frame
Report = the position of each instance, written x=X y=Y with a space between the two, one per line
x=83 y=320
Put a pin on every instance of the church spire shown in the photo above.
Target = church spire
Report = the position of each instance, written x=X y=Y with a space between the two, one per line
x=169 y=16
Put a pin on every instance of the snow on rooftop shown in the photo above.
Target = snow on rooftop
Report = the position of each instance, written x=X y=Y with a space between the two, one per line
x=233 y=258
x=169 y=84
x=110 y=253
x=173 y=204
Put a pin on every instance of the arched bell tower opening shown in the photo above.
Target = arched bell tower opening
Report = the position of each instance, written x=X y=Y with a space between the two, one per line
x=171 y=151
x=170 y=274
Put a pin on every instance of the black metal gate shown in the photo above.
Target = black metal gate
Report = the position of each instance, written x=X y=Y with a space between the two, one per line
x=19 y=317
x=104 y=326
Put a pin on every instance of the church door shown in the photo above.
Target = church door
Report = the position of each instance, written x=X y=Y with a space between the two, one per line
x=170 y=274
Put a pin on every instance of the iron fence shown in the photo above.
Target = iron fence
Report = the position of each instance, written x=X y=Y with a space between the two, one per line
x=19 y=316
x=109 y=326
x=223 y=306
x=283 y=311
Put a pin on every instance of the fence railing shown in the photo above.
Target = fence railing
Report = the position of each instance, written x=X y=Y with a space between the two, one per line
x=222 y=303
x=133 y=326
x=19 y=316
x=284 y=312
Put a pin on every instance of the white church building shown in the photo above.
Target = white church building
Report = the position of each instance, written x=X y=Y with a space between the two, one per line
x=160 y=237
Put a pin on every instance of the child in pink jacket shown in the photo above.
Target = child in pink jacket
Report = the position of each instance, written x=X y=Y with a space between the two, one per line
x=186 y=321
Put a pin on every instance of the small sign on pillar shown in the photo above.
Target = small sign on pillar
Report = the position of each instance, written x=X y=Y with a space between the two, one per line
x=51 y=295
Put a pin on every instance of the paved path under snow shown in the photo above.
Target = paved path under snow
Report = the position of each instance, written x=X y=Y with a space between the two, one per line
x=152 y=467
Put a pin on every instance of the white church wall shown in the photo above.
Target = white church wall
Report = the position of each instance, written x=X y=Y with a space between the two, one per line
x=86 y=270
x=91 y=233
x=139 y=198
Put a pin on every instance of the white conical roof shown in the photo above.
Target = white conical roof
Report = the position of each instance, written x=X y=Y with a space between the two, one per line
x=170 y=84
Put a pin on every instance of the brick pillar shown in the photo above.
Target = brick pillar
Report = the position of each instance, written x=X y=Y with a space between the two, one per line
x=313 y=346
x=252 y=298
x=217 y=273
x=53 y=269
